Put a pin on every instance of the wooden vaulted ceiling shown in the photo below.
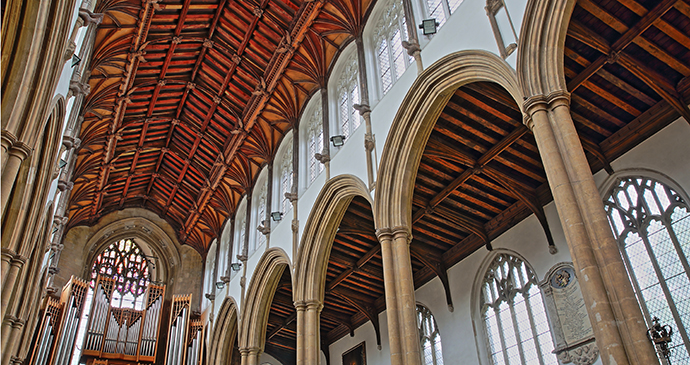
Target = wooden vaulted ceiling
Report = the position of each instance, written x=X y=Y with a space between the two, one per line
x=191 y=98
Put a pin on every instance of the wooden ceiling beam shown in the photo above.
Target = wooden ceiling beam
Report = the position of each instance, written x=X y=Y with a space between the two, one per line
x=612 y=51
x=468 y=223
x=438 y=267
x=366 y=308
x=286 y=322
x=487 y=157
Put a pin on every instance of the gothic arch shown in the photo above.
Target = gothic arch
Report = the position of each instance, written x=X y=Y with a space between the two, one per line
x=319 y=232
x=224 y=333
x=259 y=296
x=540 y=49
x=415 y=121
x=158 y=244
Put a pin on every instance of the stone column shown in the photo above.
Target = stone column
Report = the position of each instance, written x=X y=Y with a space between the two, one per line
x=401 y=307
x=250 y=356
x=412 y=44
x=300 y=307
x=618 y=324
x=364 y=109
x=15 y=156
x=10 y=280
x=312 y=341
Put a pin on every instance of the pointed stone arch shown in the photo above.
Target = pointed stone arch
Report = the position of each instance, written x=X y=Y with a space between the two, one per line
x=540 y=52
x=259 y=296
x=225 y=333
x=415 y=121
x=319 y=233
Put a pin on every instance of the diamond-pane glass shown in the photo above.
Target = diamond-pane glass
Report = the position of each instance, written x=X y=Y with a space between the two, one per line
x=513 y=312
x=652 y=224
x=430 y=337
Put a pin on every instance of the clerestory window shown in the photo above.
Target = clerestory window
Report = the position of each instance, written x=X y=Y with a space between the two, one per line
x=651 y=222
x=125 y=262
x=286 y=180
x=430 y=338
x=315 y=138
x=391 y=31
x=441 y=9
x=348 y=96
x=512 y=311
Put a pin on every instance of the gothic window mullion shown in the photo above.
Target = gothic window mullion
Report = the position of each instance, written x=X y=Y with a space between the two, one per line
x=664 y=287
x=501 y=333
x=516 y=327
x=633 y=274
x=528 y=301
x=667 y=222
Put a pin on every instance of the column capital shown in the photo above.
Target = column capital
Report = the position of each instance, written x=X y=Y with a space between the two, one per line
x=393 y=233
x=21 y=150
x=309 y=304
x=245 y=351
x=18 y=260
x=536 y=103
x=8 y=140
x=7 y=254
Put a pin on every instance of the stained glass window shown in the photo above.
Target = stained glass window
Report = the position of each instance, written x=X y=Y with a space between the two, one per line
x=429 y=337
x=651 y=222
x=512 y=309
x=126 y=263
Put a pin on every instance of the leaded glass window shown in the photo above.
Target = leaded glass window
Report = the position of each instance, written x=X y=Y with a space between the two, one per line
x=348 y=96
x=286 y=181
x=512 y=310
x=315 y=136
x=430 y=338
x=261 y=217
x=390 y=31
x=126 y=263
x=651 y=222
x=441 y=9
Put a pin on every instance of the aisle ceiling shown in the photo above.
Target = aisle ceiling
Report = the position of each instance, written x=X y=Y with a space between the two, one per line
x=190 y=99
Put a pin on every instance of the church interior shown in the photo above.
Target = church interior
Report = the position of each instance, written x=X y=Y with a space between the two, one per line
x=345 y=182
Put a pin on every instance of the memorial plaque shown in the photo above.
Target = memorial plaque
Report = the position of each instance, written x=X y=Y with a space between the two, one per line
x=568 y=318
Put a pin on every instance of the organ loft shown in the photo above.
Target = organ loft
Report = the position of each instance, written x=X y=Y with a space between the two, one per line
x=345 y=182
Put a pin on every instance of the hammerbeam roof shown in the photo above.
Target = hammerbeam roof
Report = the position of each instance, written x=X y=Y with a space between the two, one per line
x=191 y=98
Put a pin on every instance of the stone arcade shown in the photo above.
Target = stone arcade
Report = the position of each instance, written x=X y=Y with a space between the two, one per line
x=277 y=182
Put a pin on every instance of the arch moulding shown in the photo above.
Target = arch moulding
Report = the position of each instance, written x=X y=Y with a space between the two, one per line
x=224 y=333
x=257 y=302
x=158 y=244
x=415 y=121
x=319 y=232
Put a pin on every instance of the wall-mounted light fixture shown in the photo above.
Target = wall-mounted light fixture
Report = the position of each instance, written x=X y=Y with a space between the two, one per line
x=338 y=140
x=235 y=266
x=76 y=60
x=220 y=285
x=277 y=216
x=429 y=26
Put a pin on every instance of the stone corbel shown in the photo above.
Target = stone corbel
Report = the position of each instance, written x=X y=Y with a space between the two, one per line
x=292 y=197
x=65 y=185
x=76 y=87
x=90 y=17
x=362 y=108
x=263 y=229
x=69 y=51
x=323 y=157
x=369 y=142
x=210 y=296
x=412 y=47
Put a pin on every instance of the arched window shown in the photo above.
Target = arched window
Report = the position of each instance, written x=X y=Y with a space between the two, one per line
x=441 y=9
x=429 y=337
x=348 y=96
x=286 y=180
x=512 y=311
x=391 y=30
x=261 y=217
x=315 y=140
x=651 y=222
x=125 y=262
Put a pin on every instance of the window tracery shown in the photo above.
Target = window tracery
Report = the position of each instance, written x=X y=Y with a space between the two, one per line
x=348 y=96
x=126 y=263
x=260 y=217
x=315 y=140
x=651 y=222
x=391 y=31
x=430 y=338
x=512 y=311
x=286 y=180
